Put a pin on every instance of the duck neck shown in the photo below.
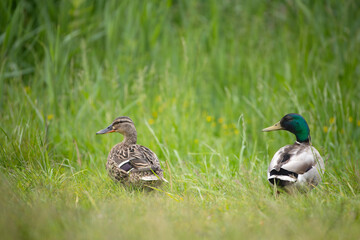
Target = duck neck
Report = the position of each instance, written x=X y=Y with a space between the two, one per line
x=303 y=136
x=130 y=138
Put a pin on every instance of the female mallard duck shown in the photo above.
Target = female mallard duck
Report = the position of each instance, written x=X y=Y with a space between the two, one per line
x=299 y=165
x=128 y=162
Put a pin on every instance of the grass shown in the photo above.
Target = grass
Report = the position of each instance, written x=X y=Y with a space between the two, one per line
x=200 y=79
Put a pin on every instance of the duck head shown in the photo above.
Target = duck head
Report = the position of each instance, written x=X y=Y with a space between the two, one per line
x=123 y=125
x=293 y=123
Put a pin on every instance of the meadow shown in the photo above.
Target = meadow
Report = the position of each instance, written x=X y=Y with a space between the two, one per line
x=200 y=79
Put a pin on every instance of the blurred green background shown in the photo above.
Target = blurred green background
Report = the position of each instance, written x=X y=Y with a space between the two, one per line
x=200 y=79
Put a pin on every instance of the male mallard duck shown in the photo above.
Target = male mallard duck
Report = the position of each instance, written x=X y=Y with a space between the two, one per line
x=299 y=165
x=128 y=162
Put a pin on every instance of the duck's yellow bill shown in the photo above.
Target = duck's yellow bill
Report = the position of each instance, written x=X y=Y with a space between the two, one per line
x=274 y=127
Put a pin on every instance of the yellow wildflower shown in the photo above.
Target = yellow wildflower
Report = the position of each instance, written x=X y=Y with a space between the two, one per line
x=332 y=120
x=50 y=117
x=196 y=141
x=236 y=132
x=358 y=123
x=155 y=114
x=351 y=119
x=208 y=118
x=220 y=120
x=225 y=126
x=151 y=121
x=326 y=129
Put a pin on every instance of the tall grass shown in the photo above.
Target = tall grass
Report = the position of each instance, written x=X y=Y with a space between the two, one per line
x=200 y=79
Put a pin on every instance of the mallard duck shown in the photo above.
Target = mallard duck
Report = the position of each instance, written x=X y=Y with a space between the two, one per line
x=299 y=165
x=128 y=162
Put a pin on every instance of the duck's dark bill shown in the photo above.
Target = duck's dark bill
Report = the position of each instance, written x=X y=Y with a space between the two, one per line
x=275 y=127
x=109 y=129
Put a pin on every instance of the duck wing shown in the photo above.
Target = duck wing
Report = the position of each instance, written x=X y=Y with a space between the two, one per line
x=144 y=158
x=294 y=160
x=132 y=157
x=145 y=161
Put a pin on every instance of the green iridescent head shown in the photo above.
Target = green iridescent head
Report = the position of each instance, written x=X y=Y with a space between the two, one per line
x=293 y=123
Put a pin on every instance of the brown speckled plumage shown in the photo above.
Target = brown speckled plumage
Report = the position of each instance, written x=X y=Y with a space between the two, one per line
x=145 y=166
